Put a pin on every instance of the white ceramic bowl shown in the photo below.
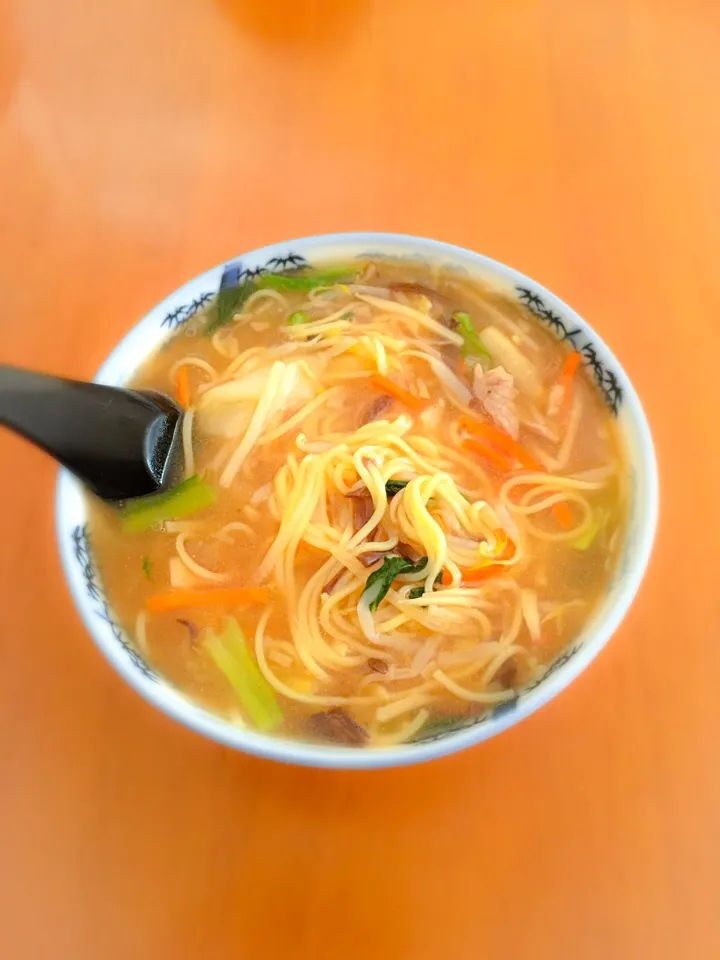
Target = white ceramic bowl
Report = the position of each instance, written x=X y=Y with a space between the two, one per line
x=145 y=337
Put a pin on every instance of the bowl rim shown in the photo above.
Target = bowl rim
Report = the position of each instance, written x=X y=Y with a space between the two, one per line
x=179 y=707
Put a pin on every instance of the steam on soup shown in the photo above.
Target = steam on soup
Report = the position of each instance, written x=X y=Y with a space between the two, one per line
x=403 y=500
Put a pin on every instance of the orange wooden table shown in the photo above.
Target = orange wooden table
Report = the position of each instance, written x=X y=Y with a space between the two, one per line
x=579 y=140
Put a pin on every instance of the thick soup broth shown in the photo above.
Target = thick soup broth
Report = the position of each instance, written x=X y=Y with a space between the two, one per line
x=408 y=500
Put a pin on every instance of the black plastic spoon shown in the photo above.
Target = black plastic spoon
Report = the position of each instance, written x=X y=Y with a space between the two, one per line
x=120 y=443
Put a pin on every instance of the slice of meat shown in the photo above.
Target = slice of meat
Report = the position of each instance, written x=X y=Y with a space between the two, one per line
x=408 y=551
x=333 y=582
x=368 y=559
x=362 y=511
x=496 y=395
x=337 y=726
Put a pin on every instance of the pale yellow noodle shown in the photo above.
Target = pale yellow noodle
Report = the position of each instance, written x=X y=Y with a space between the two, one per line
x=225 y=532
x=485 y=696
x=196 y=568
x=421 y=319
x=262 y=412
x=404 y=732
x=283 y=688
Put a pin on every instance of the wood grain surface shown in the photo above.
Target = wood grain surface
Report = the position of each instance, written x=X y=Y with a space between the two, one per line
x=579 y=140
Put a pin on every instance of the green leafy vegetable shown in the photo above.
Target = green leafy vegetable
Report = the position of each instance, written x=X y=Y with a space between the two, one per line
x=300 y=316
x=226 y=304
x=147 y=567
x=418 y=592
x=378 y=583
x=230 y=653
x=472 y=344
x=394 y=486
x=183 y=500
x=279 y=281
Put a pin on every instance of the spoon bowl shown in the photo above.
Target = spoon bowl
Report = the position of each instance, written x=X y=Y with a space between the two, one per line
x=120 y=443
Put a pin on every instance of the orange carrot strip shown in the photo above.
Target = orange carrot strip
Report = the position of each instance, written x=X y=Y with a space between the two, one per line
x=497 y=459
x=225 y=596
x=500 y=440
x=484 y=572
x=567 y=376
x=394 y=390
x=563 y=514
x=446 y=579
x=182 y=387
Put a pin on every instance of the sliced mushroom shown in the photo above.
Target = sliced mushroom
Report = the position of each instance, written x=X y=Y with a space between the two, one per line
x=377 y=665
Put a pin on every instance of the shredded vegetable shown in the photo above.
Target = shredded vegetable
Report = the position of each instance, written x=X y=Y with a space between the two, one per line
x=497 y=459
x=484 y=571
x=207 y=597
x=231 y=655
x=567 y=377
x=182 y=387
x=500 y=440
x=182 y=501
x=394 y=390
x=300 y=316
x=563 y=514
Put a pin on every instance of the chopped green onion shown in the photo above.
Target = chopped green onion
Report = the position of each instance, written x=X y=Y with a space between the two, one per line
x=226 y=304
x=279 y=281
x=472 y=344
x=147 y=567
x=230 y=653
x=300 y=316
x=183 y=500
x=379 y=582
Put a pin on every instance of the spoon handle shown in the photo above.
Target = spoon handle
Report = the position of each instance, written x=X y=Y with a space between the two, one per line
x=116 y=441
